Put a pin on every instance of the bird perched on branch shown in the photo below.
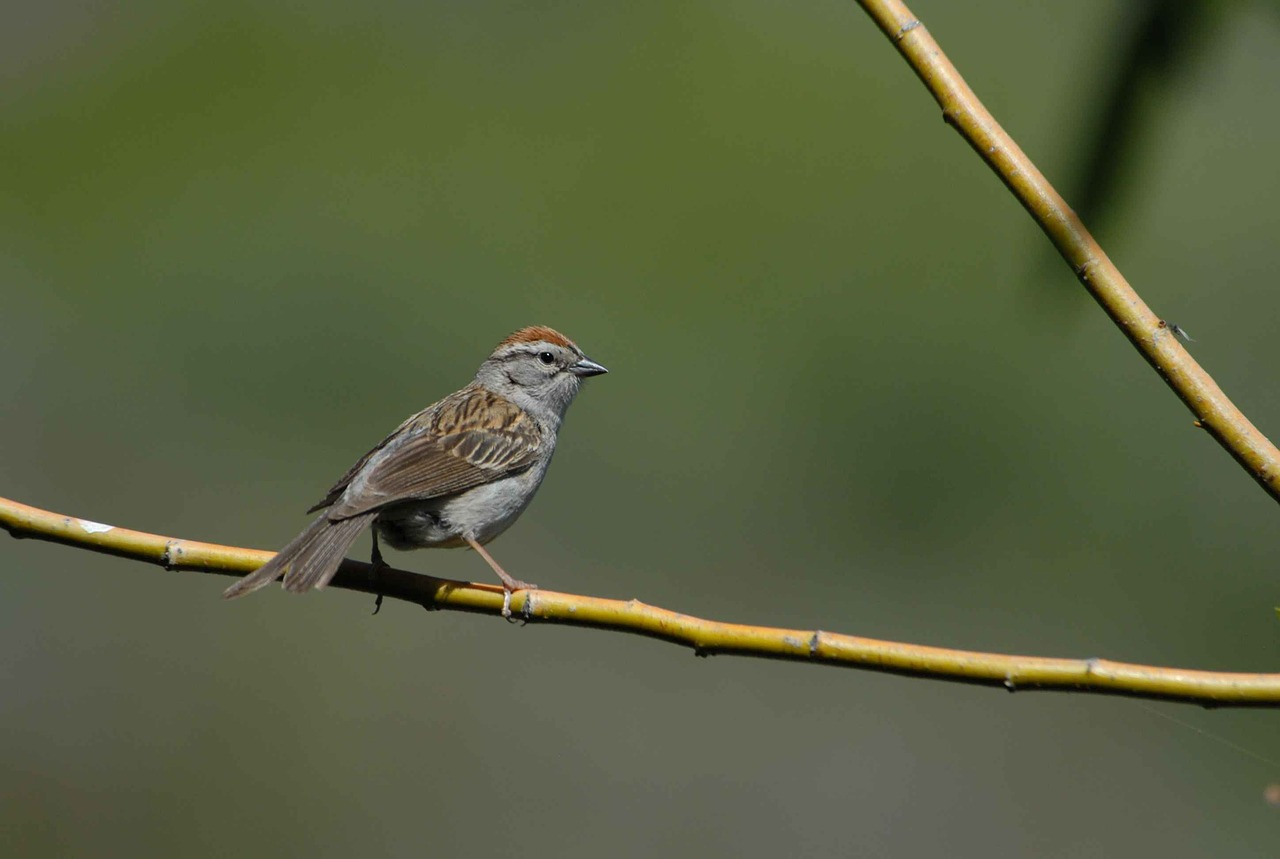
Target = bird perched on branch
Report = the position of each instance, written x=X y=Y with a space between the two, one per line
x=457 y=473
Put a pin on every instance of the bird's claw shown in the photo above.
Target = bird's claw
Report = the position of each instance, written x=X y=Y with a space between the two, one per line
x=377 y=566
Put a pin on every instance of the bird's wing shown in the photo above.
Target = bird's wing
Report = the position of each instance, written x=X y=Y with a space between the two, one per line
x=335 y=491
x=467 y=439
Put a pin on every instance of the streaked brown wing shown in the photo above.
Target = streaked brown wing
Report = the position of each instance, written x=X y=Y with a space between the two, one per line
x=467 y=439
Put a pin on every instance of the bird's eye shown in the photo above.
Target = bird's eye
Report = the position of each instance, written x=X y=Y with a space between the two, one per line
x=546 y=358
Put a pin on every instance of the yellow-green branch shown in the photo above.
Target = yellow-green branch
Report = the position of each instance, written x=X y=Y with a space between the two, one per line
x=1153 y=338
x=706 y=637
x=1157 y=343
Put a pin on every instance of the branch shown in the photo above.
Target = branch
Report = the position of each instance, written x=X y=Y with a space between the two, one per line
x=706 y=637
x=1152 y=337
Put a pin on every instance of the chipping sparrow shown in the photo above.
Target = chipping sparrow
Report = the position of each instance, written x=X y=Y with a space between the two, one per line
x=457 y=473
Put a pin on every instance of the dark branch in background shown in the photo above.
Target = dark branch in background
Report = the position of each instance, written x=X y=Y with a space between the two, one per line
x=1163 y=38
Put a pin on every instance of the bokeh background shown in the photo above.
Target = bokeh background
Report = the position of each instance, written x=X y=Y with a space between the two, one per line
x=852 y=389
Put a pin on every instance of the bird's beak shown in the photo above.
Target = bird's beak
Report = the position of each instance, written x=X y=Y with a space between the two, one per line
x=587 y=367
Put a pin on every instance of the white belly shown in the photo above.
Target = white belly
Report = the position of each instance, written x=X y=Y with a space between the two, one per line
x=481 y=513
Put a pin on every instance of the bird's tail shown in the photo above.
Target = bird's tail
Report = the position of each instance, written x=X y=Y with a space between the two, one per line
x=310 y=559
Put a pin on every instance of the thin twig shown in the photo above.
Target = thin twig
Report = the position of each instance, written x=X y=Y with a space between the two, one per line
x=706 y=637
x=961 y=109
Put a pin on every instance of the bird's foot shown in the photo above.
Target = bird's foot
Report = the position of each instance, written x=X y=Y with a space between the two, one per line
x=377 y=565
x=508 y=589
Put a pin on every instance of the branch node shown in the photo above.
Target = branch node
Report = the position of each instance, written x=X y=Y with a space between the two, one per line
x=1082 y=270
x=169 y=558
x=814 y=642
x=904 y=29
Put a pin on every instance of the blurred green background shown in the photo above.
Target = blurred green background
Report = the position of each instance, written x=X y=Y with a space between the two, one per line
x=852 y=390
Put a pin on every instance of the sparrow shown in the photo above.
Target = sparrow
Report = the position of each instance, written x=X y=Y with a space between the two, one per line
x=458 y=473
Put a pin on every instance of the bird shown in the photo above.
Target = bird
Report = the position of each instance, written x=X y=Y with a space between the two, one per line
x=458 y=473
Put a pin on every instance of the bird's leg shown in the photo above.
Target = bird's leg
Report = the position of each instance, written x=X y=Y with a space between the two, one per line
x=508 y=583
x=375 y=558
